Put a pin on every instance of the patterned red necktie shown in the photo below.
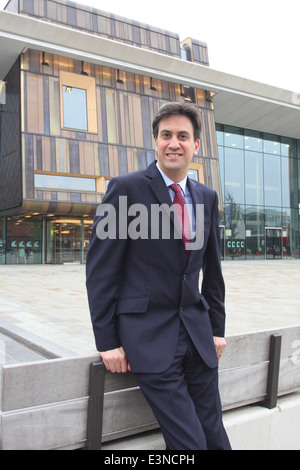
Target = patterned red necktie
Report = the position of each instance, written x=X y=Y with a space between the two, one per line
x=182 y=214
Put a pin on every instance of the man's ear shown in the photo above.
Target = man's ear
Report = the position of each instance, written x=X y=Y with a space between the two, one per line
x=197 y=146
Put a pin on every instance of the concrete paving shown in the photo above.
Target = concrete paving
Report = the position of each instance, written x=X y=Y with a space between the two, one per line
x=50 y=301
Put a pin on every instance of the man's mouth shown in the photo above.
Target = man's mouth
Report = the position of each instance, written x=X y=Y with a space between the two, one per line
x=174 y=155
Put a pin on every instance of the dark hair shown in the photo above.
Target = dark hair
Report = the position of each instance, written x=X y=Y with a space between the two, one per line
x=173 y=109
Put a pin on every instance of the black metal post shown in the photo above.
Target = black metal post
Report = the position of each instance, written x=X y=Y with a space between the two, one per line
x=95 y=406
x=273 y=372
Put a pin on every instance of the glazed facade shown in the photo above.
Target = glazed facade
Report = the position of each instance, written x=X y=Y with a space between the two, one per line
x=260 y=176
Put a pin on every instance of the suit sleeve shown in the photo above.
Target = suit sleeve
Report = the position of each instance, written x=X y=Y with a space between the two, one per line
x=213 y=287
x=103 y=267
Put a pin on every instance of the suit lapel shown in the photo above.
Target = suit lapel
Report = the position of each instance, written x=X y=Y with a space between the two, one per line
x=197 y=198
x=157 y=185
x=161 y=193
x=195 y=190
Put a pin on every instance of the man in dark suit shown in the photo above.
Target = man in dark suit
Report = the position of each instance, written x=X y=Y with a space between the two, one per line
x=143 y=285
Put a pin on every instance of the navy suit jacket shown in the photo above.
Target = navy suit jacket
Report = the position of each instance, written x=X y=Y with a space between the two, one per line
x=139 y=289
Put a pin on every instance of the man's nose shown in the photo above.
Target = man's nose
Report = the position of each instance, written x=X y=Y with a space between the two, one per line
x=174 y=142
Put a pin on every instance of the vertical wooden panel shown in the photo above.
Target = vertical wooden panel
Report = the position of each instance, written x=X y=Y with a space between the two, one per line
x=111 y=116
x=87 y=158
x=74 y=156
x=113 y=160
x=46 y=149
x=53 y=153
x=146 y=122
x=61 y=156
x=123 y=167
x=54 y=109
x=33 y=111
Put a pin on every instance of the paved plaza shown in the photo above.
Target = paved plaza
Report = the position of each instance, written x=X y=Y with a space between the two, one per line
x=50 y=301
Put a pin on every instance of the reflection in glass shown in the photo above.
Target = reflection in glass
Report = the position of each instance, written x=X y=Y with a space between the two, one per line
x=271 y=144
x=272 y=177
x=234 y=231
x=233 y=137
x=68 y=240
x=255 y=223
x=24 y=241
x=75 y=108
x=67 y=183
x=234 y=175
x=253 y=141
x=273 y=242
x=270 y=168
x=193 y=174
x=288 y=147
x=254 y=178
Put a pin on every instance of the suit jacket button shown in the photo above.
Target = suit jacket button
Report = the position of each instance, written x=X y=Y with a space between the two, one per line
x=180 y=309
x=184 y=277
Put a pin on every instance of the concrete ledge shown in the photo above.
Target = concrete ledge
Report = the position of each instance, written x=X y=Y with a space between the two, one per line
x=257 y=428
x=249 y=428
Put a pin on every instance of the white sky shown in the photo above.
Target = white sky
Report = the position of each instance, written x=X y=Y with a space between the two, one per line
x=257 y=39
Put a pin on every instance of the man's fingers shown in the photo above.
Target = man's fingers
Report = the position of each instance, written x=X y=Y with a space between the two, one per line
x=115 y=360
x=220 y=344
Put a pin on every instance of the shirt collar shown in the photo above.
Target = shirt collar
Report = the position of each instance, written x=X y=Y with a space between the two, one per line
x=168 y=181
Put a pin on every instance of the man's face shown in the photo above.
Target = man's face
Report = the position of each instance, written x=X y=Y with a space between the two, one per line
x=175 y=146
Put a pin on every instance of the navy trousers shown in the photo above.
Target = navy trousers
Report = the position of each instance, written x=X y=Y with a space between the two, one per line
x=185 y=401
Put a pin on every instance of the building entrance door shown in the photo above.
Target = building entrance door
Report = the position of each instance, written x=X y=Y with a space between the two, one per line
x=64 y=241
x=273 y=243
x=67 y=240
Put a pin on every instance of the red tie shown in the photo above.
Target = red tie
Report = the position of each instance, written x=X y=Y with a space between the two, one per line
x=182 y=214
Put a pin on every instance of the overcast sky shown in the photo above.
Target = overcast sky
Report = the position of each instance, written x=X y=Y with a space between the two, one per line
x=257 y=39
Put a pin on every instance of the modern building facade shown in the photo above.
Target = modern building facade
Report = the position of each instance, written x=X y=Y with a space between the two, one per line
x=81 y=89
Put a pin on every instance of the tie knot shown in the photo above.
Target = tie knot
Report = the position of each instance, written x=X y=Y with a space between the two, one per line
x=176 y=188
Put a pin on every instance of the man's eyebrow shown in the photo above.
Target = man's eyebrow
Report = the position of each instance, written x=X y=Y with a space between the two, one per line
x=170 y=132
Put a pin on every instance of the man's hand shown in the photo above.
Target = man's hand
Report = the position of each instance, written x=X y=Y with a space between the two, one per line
x=220 y=345
x=115 y=360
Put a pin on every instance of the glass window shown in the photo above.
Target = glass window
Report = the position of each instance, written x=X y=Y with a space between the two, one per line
x=220 y=134
x=272 y=178
x=290 y=233
x=255 y=232
x=288 y=147
x=24 y=241
x=271 y=144
x=193 y=174
x=222 y=168
x=74 y=108
x=78 y=102
x=185 y=52
x=254 y=178
x=253 y=141
x=235 y=232
x=286 y=181
x=67 y=183
x=234 y=176
x=233 y=137
x=273 y=217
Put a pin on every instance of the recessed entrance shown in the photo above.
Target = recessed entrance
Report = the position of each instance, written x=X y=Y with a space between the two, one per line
x=67 y=240
x=273 y=243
